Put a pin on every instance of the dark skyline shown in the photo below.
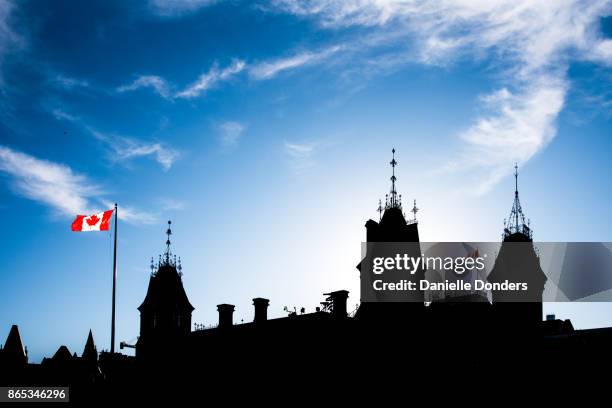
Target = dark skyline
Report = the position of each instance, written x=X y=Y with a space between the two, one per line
x=249 y=126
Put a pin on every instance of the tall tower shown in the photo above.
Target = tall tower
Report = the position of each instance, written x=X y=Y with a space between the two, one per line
x=165 y=313
x=518 y=262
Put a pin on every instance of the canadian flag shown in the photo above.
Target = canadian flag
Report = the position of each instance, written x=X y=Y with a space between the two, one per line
x=95 y=222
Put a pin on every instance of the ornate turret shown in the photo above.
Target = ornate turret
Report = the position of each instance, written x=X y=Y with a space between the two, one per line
x=392 y=225
x=518 y=312
x=165 y=313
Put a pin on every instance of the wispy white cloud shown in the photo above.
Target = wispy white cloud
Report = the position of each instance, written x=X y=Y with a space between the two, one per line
x=300 y=155
x=55 y=185
x=172 y=204
x=230 y=133
x=518 y=126
x=69 y=82
x=269 y=69
x=175 y=8
x=532 y=43
x=60 y=188
x=9 y=38
x=123 y=148
x=132 y=215
x=211 y=78
x=259 y=71
x=59 y=114
x=158 y=84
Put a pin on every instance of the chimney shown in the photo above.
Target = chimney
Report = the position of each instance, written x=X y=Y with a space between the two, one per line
x=338 y=300
x=261 y=309
x=226 y=315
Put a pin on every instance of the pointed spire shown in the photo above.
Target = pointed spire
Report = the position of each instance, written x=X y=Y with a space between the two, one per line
x=13 y=350
x=517 y=204
x=168 y=233
x=516 y=221
x=168 y=258
x=393 y=201
x=380 y=210
x=515 y=178
x=90 y=352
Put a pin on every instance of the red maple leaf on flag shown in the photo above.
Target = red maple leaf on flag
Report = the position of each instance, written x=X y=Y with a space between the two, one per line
x=93 y=220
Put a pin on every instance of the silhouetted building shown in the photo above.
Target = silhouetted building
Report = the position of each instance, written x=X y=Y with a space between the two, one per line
x=331 y=341
x=392 y=227
x=517 y=262
x=165 y=313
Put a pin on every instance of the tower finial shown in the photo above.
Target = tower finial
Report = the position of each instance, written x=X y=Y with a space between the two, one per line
x=516 y=213
x=380 y=210
x=394 y=203
x=515 y=178
x=168 y=233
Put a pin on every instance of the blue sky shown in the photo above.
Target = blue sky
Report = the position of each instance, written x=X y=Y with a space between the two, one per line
x=264 y=130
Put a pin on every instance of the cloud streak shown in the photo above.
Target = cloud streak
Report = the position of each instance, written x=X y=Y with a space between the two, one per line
x=258 y=71
x=123 y=148
x=60 y=188
x=209 y=79
x=519 y=126
x=269 y=69
x=176 y=8
x=9 y=39
x=300 y=155
x=230 y=133
x=532 y=42
x=133 y=215
x=158 y=84
x=52 y=184
x=126 y=148
x=69 y=83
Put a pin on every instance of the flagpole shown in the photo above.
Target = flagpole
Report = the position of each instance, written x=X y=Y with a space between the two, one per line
x=112 y=350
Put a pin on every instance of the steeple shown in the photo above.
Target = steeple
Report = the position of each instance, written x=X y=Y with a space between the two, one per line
x=516 y=221
x=168 y=233
x=90 y=352
x=13 y=351
x=393 y=201
x=165 y=313
x=168 y=258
